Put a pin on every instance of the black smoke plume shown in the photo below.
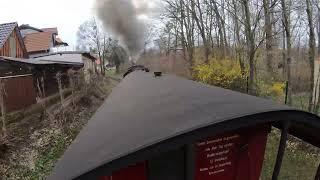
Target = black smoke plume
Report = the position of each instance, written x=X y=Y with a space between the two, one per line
x=121 y=17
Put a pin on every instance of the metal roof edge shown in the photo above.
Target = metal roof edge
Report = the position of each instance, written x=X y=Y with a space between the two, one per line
x=179 y=140
x=67 y=52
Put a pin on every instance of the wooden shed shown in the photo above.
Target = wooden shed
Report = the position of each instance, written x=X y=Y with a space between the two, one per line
x=20 y=92
x=44 y=68
x=19 y=85
x=74 y=57
x=11 y=42
x=21 y=77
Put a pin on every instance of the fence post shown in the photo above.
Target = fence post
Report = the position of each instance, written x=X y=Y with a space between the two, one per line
x=286 y=95
x=281 y=149
x=59 y=81
x=247 y=84
x=3 y=107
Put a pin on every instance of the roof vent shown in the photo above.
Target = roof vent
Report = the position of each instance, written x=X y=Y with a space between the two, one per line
x=158 y=74
x=136 y=68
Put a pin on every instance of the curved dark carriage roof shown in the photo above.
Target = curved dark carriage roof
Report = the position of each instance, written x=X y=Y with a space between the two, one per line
x=146 y=115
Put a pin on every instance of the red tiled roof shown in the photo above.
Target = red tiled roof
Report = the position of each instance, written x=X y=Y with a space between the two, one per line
x=52 y=30
x=38 y=41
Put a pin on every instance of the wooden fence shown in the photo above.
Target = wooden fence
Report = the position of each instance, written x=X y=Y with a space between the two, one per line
x=20 y=92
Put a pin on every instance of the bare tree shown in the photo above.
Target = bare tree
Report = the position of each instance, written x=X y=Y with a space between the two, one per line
x=179 y=13
x=91 y=37
x=220 y=26
x=198 y=16
x=269 y=37
x=318 y=25
x=118 y=55
x=238 y=40
x=312 y=50
x=252 y=45
x=188 y=23
x=41 y=95
x=287 y=30
x=239 y=29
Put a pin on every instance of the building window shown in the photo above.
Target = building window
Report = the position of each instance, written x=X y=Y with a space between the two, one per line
x=13 y=47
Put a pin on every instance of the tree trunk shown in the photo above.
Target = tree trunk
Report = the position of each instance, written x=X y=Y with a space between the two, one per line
x=318 y=32
x=117 y=68
x=101 y=64
x=189 y=27
x=221 y=28
x=59 y=81
x=268 y=34
x=312 y=49
x=104 y=51
x=169 y=42
x=286 y=24
x=222 y=19
x=95 y=68
x=182 y=25
x=201 y=27
x=318 y=26
x=238 y=44
x=251 y=73
x=284 y=63
x=250 y=45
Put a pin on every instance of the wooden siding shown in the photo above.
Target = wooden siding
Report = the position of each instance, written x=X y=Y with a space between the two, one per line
x=20 y=92
x=5 y=50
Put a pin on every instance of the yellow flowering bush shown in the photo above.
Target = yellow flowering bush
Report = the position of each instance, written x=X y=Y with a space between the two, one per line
x=224 y=73
x=275 y=90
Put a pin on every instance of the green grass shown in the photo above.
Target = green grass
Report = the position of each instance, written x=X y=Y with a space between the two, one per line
x=298 y=163
x=46 y=160
x=111 y=72
x=47 y=157
x=300 y=101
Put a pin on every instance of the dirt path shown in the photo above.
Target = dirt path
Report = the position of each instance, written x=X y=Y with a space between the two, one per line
x=34 y=145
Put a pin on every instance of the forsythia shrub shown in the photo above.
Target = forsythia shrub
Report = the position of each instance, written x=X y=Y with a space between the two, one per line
x=224 y=73
x=275 y=89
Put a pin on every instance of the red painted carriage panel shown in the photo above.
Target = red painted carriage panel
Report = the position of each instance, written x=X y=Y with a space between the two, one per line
x=232 y=156
x=236 y=155
x=135 y=172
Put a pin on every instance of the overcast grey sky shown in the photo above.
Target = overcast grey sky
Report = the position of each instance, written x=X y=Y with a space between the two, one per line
x=67 y=15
